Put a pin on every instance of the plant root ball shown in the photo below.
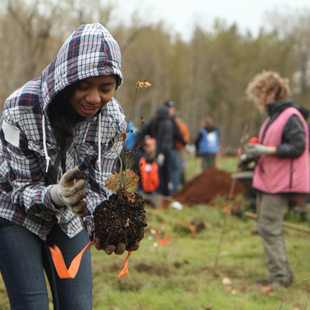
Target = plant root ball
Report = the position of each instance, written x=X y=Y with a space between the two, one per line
x=120 y=223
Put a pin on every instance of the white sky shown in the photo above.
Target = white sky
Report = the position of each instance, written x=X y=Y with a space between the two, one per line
x=180 y=16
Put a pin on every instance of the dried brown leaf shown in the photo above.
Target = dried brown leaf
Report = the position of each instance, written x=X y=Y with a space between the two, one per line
x=112 y=182
x=123 y=137
x=126 y=180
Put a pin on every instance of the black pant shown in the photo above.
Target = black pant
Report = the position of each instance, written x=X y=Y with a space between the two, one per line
x=164 y=176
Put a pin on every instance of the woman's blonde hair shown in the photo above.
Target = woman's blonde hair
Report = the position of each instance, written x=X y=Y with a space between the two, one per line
x=266 y=83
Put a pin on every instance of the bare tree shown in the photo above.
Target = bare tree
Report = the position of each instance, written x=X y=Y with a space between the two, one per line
x=296 y=26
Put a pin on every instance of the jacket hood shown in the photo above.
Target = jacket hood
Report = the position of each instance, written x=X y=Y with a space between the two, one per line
x=162 y=112
x=89 y=51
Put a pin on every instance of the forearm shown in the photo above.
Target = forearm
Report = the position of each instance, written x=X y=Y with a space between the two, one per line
x=287 y=150
x=34 y=198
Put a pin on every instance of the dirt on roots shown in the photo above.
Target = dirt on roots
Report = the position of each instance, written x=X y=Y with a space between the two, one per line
x=119 y=220
x=207 y=186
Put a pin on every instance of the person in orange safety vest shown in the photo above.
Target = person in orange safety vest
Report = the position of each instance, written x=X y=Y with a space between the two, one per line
x=148 y=167
x=148 y=170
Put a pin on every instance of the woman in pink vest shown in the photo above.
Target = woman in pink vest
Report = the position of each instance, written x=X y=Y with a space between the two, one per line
x=282 y=167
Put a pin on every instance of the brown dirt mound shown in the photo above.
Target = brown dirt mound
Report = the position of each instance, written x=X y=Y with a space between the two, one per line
x=207 y=186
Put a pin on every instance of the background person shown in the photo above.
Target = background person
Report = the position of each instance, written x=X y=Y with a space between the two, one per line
x=180 y=147
x=178 y=139
x=282 y=167
x=131 y=137
x=207 y=143
x=162 y=127
x=52 y=128
x=148 y=172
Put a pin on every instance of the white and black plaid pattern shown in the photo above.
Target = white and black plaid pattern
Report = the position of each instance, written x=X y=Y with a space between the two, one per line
x=24 y=184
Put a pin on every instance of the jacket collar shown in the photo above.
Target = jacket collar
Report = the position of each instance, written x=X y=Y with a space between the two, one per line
x=275 y=108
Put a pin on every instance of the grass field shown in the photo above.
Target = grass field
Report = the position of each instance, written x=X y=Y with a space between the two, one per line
x=181 y=273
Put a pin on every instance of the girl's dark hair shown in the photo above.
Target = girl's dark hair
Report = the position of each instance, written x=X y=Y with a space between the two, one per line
x=63 y=118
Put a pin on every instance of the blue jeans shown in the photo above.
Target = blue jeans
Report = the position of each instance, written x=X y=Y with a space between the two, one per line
x=23 y=259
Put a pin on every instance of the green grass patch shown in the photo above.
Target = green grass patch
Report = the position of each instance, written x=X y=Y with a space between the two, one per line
x=179 y=274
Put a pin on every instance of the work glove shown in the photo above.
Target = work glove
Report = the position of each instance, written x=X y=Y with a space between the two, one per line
x=134 y=246
x=255 y=150
x=160 y=159
x=120 y=247
x=109 y=248
x=69 y=192
x=244 y=161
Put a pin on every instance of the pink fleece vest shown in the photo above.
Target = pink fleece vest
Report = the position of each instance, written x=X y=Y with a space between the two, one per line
x=282 y=175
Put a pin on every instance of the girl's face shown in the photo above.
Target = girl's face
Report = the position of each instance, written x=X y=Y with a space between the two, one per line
x=92 y=94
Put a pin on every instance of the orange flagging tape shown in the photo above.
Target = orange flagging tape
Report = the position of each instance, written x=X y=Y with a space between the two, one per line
x=158 y=235
x=70 y=273
x=125 y=270
x=225 y=207
x=190 y=226
x=60 y=265
x=163 y=241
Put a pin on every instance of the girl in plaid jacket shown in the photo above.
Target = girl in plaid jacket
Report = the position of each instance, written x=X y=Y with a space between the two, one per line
x=60 y=139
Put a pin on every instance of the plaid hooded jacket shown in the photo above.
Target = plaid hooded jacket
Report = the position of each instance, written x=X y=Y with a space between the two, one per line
x=28 y=148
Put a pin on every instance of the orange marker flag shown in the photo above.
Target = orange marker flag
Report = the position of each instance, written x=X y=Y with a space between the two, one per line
x=70 y=273
x=125 y=270
x=190 y=226
x=158 y=234
x=163 y=241
x=60 y=265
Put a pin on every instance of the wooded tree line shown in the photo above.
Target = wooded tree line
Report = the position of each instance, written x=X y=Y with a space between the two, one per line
x=206 y=75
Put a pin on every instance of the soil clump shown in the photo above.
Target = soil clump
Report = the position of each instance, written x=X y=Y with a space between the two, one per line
x=207 y=186
x=120 y=220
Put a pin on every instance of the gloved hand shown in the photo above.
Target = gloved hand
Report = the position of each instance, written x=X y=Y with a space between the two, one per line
x=110 y=248
x=69 y=192
x=120 y=247
x=160 y=159
x=255 y=150
x=244 y=161
x=135 y=245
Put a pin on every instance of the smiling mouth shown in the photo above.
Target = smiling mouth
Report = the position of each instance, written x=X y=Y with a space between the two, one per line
x=89 y=110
